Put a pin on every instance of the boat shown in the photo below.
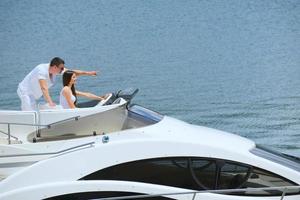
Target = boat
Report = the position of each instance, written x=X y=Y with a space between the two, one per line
x=126 y=151
x=29 y=126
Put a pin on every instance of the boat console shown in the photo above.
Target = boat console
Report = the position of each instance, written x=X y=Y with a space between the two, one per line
x=126 y=94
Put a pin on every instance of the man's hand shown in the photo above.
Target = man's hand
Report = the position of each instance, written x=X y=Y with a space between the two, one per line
x=92 y=73
x=88 y=73
x=52 y=104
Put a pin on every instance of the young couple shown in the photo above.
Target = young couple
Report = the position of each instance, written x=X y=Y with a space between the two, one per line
x=37 y=83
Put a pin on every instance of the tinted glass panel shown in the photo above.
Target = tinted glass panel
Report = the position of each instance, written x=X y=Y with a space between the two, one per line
x=233 y=176
x=236 y=175
x=205 y=172
x=260 y=178
x=146 y=114
x=98 y=195
x=171 y=172
x=196 y=174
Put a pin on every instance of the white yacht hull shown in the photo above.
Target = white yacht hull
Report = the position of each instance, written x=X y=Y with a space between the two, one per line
x=142 y=153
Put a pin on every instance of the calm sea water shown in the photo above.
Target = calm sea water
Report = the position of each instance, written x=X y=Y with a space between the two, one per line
x=232 y=65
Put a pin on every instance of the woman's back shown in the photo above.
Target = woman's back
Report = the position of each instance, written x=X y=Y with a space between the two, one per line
x=62 y=99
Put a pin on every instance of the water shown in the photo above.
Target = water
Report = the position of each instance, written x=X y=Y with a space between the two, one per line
x=230 y=65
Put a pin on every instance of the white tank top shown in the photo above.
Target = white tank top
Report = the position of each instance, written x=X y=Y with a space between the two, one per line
x=63 y=101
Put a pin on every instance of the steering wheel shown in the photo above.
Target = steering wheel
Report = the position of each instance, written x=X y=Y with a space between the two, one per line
x=104 y=101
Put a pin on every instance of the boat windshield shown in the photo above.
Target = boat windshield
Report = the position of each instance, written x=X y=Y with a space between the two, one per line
x=144 y=113
x=280 y=158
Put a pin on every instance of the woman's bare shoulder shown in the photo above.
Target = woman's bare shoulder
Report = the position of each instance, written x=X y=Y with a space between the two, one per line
x=66 y=90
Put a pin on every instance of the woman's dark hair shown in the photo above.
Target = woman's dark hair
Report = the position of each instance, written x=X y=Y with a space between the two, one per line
x=56 y=61
x=66 y=80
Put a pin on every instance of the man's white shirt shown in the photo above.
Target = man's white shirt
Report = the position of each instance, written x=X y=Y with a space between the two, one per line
x=30 y=84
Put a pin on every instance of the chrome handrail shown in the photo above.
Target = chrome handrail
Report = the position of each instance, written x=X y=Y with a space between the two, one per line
x=284 y=190
x=23 y=124
x=42 y=125
x=50 y=153
x=76 y=118
x=36 y=125
x=8 y=135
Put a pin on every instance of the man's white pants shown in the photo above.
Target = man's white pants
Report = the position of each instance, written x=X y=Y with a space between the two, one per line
x=28 y=102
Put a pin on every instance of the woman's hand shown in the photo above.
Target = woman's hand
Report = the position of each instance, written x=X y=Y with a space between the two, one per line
x=104 y=97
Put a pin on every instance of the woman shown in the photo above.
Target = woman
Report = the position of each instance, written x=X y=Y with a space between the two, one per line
x=68 y=95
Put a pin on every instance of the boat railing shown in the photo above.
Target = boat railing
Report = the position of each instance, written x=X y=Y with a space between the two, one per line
x=9 y=124
x=284 y=191
x=73 y=148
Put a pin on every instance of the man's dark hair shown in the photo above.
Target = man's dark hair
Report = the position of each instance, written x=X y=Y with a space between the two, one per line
x=56 y=61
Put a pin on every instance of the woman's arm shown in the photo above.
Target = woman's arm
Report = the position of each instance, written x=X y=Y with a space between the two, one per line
x=89 y=95
x=67 y=93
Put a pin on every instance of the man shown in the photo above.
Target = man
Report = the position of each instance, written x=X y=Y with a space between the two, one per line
x=39 y=80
